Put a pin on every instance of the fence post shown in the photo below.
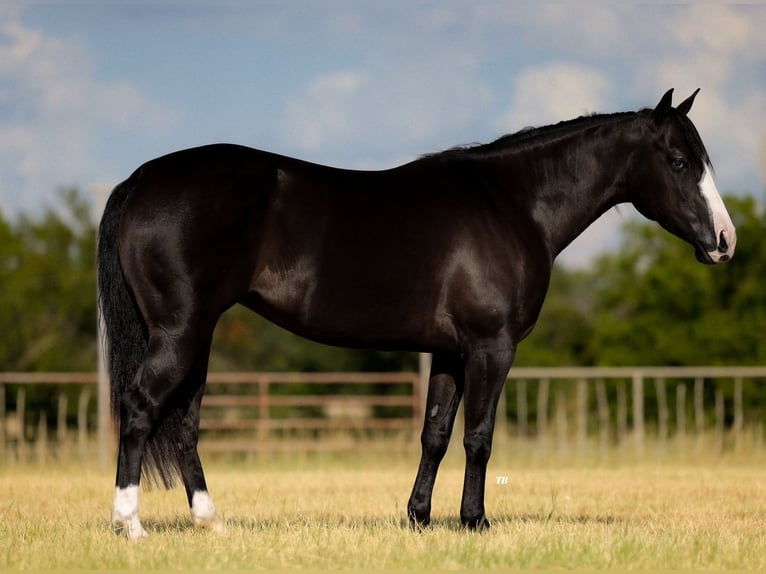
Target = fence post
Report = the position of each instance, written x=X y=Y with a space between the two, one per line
x=622 y=412
x=699 y=409
x=82 y=422
x=542 y=411
x=61 y=420
x=561 y=420
x=522 y=413
x=681 y=411
x=263 y=409
x=41 y=444
x=21 y=398
x=739 y=415
x=603 y=415
x=638 y=410
x=662 y=411
x=582 y=415
x=719 y=417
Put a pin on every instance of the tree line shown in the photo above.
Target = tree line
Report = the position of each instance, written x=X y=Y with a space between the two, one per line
x=647 y=303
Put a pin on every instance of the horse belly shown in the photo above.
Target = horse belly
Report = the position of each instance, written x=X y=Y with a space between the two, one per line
x=354 y=304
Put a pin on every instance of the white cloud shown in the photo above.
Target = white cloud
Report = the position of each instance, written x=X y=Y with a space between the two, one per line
x=54 y=112
x=719 y=28
x=322 y=112
x=345 y=109
x=720 y=49
x=556 y=92
x=386 y=104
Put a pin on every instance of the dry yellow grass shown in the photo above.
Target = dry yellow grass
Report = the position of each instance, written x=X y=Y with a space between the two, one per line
x=334 y=513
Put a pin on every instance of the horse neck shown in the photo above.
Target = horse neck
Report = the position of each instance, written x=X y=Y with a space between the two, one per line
x=569 y=181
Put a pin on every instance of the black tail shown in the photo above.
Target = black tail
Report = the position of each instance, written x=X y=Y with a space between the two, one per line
x=126 y=339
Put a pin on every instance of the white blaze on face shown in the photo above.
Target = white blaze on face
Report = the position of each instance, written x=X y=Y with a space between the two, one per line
x=721 y=220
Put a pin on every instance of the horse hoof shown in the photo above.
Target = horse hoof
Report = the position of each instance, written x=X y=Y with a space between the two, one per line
x=213 y=524
x=419 y=522
x=479 y=524
x=132 y=530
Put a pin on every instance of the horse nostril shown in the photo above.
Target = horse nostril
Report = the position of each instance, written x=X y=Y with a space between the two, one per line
x=723 y=246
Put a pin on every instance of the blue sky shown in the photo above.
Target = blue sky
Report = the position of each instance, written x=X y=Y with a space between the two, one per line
x=90 y=90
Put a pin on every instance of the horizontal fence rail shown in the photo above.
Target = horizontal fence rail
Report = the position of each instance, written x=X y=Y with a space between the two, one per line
x=251 y=411
x=247 y=412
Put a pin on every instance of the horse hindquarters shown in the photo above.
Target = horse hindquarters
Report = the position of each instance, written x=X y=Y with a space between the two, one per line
x=158 y=429
x=157 y=385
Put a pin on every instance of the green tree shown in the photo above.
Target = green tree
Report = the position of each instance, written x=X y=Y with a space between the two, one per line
x=47 y=303
x=656 y=305
x=11 y=249
x=565 y=326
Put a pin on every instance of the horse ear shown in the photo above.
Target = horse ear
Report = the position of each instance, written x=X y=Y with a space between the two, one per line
x=663 y=107
x=686 y=105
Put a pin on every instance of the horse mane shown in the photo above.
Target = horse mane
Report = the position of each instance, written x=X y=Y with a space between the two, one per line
x=527 y=134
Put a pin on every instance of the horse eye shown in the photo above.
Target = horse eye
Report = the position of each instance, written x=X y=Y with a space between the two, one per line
x=678 y=163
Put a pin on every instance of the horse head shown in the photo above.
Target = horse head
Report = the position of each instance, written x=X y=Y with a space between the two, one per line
x=672 y=182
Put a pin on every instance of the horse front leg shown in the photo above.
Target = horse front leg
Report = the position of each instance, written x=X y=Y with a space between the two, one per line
x=445 y=389
x=486 y=372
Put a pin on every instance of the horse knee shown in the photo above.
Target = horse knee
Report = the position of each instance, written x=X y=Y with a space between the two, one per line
x=478 y=446
x=435 y=441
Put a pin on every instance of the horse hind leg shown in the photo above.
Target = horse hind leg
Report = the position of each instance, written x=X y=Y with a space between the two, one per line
x=201 y=505
x=202 y=509
x=150 y=423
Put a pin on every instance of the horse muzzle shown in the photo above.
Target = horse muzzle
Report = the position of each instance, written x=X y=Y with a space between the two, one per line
x=727 y=240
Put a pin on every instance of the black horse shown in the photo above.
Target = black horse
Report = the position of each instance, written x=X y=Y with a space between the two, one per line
x=450 y=254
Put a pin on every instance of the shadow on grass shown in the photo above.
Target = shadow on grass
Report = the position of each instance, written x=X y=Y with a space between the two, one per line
x=370 y=523
x=454 y=524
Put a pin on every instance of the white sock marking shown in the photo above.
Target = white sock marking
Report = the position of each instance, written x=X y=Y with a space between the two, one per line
x=125 y=512
x=203 y=511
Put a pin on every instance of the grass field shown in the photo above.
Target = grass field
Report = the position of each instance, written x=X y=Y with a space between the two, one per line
x=613 y=512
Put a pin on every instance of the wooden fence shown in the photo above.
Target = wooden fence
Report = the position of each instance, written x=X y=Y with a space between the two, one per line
x=241 y=412
x=246 y=412
x=572 y=405
x=22 y=438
